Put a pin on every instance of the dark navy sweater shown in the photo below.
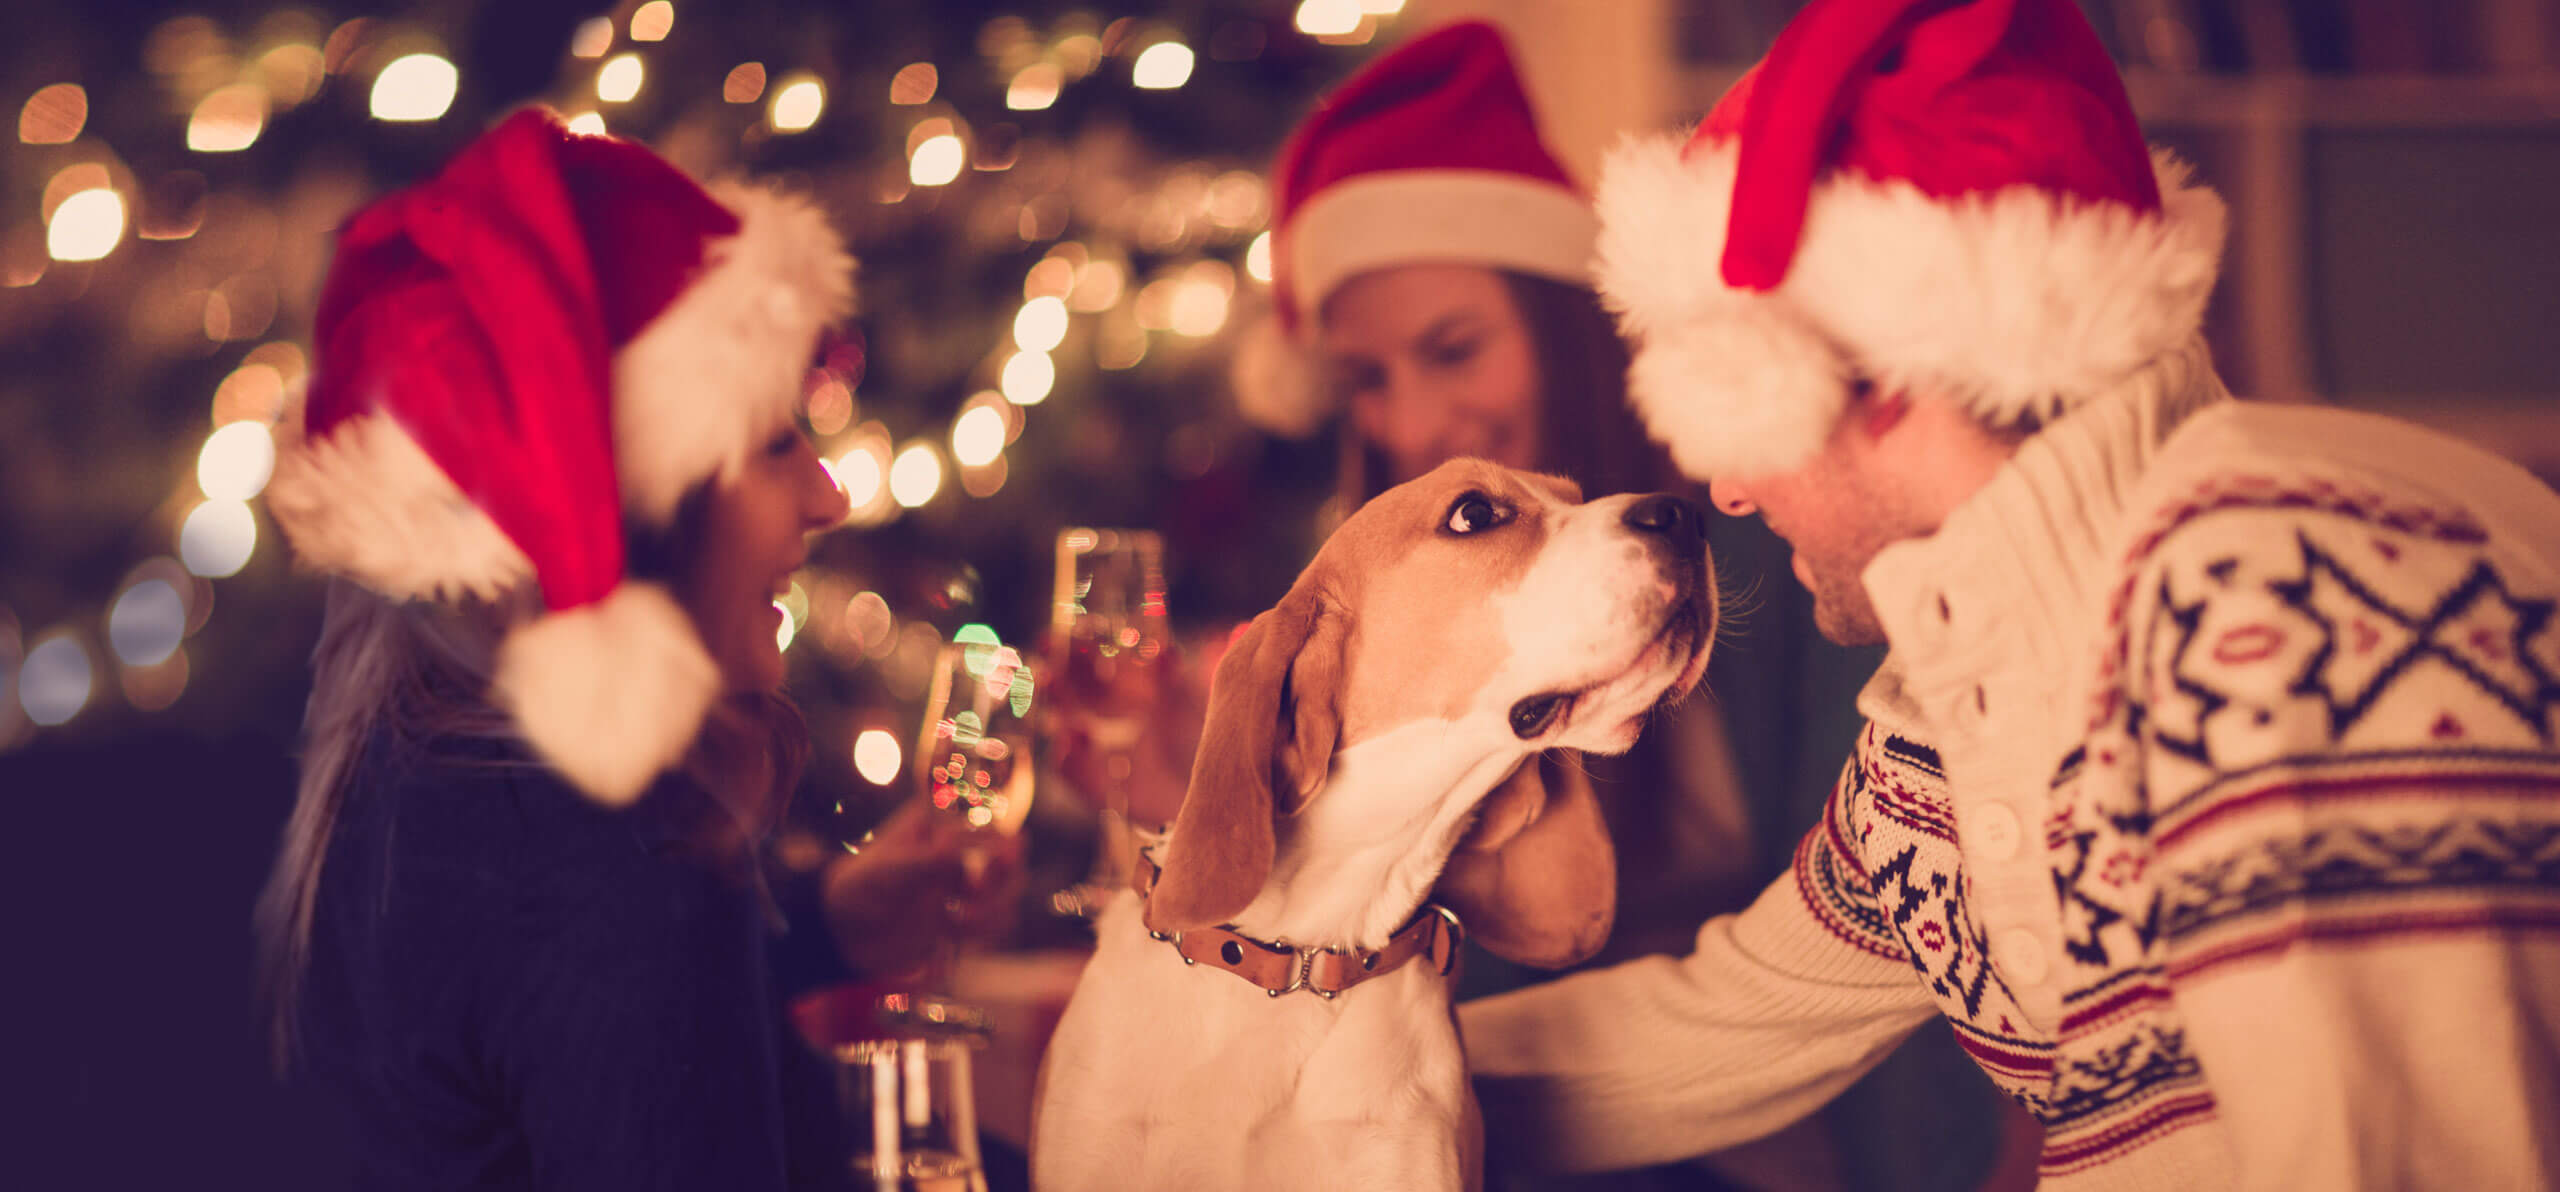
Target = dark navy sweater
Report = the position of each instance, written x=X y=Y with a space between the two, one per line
x=513 y=987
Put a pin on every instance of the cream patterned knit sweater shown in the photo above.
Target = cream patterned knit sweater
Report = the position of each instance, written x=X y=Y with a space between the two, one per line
x=2209 y=792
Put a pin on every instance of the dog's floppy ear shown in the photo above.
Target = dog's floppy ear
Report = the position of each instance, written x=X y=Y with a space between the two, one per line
x=1273 y=718
x=1535 y=880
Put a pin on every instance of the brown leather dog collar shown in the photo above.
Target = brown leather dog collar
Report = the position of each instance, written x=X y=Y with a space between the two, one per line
x=1433 y=933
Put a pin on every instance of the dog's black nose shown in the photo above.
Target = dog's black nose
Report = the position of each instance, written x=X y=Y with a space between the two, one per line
x=1669 y=516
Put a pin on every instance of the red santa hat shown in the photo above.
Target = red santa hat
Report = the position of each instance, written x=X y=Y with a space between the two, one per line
x=1430 y=154
x=1950 y=197
x=554 y=337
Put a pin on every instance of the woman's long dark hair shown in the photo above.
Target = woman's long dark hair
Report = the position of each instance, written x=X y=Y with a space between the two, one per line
x=1586 y=432
x=410 y=676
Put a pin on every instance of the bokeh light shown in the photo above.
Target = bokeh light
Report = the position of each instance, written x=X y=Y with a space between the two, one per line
x=1323 y=18
x=1162 y=66
x=1257 y=259
x=593 y=38
x=236 y=461
x=1028 y=378
x=1041 y=326
x=787 y=630
x=937 y=160
x=55 y=679
x=228 y=119
x=654 y=20
x=863 y=470
x=86 y=227
x=1200 y=302
x=745 y=83
x=146 y=623
x=1382 y=8
x=151 y=688
x=977 y=436
x=54 y=115
x=1098 y=286
x=916 y=475
x=914 y=84
x=620 y=79
x=876 y=756
x=413 y=88
x=798 y=105
x=587 y=124
x=217 y=539
x=1034 y=87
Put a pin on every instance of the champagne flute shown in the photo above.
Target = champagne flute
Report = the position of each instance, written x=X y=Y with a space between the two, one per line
x=973 y=756
x=1109 y=614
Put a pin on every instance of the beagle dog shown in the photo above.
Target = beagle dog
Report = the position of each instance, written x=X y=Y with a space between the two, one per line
x=1271 y=1007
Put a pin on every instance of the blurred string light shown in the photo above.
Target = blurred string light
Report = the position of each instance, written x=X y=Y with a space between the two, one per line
x=1027 y=378
x=228 y=119
x=797 y=105
x=54 y=115
x=1098 y=286
x=1328 y=18
x=588 y=124
x=147 y=622
x=652 y=21
x=934 y=152
x=55 y=679
x=745 y=83
x=619 y=81
x=876 y=756
x=1199 y=305
x=86 y=226
x=977 y=437
x=1257 y=259
x=1162 y=66
x=417 y=87
x=1382 y=8
x=236 y=461
x=593 y=38
x=914 y=84
x=217 y=538
x=292 y=72
x=1041 y=325
x=916 y=475
x=1034 y=87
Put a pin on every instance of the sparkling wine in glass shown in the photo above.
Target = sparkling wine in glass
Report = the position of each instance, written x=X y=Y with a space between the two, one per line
x=973 y=756
x=1109 y=615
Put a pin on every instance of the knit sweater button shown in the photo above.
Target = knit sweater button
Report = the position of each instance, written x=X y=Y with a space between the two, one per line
x=1994 y=832
x=2021 y=957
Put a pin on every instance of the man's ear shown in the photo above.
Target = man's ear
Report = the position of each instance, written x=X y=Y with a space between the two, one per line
x=1272 y=722
x=1536 y=880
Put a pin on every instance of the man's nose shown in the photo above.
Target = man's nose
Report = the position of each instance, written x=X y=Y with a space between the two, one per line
x=1731 y=498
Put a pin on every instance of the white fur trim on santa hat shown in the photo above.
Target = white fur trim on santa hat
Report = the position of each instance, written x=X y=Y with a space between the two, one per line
x=1399 y=217
x=364 y=501
x=2018 y=302
x=720 y=370
x=611 y=693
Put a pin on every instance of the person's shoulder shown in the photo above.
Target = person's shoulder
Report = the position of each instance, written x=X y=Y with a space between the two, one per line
x=2264 y=472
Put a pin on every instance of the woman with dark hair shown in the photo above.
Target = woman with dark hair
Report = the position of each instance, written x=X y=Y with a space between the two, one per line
x=1430 y=269
x=549 y=457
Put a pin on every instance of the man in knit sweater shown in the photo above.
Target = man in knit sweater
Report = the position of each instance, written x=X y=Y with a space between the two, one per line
x=2209 y=790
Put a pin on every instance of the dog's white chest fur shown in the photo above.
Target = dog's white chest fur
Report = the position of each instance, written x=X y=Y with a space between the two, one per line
x=1170 y=1077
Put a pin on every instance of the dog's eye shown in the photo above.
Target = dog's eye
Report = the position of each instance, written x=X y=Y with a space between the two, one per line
x=1531 y=716
x=1473 y=513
